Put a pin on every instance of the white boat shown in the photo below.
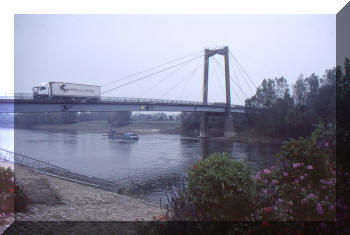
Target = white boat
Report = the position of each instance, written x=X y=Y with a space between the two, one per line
x=124 y=136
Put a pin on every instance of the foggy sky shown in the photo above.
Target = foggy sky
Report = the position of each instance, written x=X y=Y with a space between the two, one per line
x=97 y=49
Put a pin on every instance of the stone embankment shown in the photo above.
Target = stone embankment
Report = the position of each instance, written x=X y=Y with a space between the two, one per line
x=55 y=199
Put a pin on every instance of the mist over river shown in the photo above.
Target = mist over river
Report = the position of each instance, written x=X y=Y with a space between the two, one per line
x=147 y=165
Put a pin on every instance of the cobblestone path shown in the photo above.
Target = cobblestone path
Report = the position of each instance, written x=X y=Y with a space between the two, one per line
x=83 y=203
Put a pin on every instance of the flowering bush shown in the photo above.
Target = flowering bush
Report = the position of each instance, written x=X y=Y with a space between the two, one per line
x=12 y=197
x=219 y=188
x=302 y=186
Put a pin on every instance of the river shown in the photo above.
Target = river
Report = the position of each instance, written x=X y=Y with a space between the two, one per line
x=146 y=166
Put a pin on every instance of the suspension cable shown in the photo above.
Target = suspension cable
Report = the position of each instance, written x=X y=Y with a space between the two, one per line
x=253 y=83
x=218 y=79
x=163 y=79
x=189 y=80
x=149 y=69
x=222 y=67
x=131 y=82
x=232 y=88
x=234 y=69
x=184 y=79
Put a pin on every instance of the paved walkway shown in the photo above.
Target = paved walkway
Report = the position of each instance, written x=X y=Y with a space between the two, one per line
x=5 y=221
x=80 y=202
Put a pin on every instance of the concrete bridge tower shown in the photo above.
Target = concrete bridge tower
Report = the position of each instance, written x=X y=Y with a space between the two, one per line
x=228 y=127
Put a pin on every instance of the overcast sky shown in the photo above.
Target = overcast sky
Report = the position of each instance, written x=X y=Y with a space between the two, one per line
x=97 y=49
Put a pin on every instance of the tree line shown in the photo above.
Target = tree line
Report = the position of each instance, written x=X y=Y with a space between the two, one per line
x=121 y=118
x=27 y=120
x=278 y=110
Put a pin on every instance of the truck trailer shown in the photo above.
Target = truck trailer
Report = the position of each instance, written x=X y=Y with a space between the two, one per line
x=66 y=91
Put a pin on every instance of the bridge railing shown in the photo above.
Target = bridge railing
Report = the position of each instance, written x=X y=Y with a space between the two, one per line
x=106 y=99
x=47 y=168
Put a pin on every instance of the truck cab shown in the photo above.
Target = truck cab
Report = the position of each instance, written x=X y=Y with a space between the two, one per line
x=42 y=91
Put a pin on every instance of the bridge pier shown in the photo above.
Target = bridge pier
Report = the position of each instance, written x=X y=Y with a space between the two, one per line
x=204 y=126
x=228 y=126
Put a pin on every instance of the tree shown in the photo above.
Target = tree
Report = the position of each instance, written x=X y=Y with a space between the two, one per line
x=119 y=118
x=300 y=91
x=313 y=84
x=190 y=121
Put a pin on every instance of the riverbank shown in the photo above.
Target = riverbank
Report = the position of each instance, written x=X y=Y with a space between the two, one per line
x=102 y=126
x=54 y=199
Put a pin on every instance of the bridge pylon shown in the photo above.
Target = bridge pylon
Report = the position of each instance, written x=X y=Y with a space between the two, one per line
x=228 y=125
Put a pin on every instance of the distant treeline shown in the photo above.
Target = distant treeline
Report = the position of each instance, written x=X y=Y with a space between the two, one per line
x=27 y=120
x=154 y=117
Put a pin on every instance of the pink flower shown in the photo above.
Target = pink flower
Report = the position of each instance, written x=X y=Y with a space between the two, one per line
x=311 y=195
x=330 y=181
x=326 y=144
x=319 y=208
x=331 y=207
x=326 y=197
x=267 y=171
x=273 y=182
x=296 y=181
x=285 y=173
x=301 y=177
x=265 y=181
x=258 y=176
x=295 y=165
x=309 y=167
x=265 y=191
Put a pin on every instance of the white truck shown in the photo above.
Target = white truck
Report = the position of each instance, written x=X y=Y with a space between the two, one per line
x=66 y=91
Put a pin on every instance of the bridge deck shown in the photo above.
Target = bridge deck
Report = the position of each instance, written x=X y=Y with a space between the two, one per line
x=26 y=103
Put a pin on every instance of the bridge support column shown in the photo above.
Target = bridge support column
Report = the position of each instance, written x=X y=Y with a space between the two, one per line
x=228 y=127
x=228 y=131
x=204 y=126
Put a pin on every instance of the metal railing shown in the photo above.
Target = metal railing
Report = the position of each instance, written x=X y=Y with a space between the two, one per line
x=50 y=169
x=23 y=97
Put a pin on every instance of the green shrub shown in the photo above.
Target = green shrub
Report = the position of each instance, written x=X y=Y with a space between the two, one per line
x=220 y=188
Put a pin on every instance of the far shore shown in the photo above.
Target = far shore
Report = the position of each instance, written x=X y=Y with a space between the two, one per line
x=102 y=126
x=150 y=127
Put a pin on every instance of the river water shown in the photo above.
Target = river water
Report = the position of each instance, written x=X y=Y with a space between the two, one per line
x=146 y=166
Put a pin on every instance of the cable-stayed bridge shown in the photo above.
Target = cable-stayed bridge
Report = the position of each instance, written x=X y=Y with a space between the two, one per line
x=22 y=103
